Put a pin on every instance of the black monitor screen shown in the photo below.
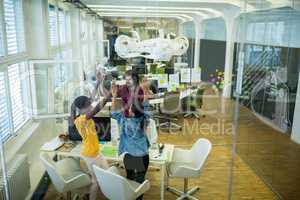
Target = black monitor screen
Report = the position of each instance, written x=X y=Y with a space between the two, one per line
x=138 y=61
x=102 y=125
x=169 y=70
x=139 y=69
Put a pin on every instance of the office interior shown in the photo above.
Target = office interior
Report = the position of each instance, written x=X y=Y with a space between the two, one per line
x=237 y=83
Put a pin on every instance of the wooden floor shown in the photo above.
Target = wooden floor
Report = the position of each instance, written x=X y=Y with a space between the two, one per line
x=270 y=154
x=214 y=181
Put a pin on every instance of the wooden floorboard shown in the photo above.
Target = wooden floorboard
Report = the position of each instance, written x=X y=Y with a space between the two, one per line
x=256 y=151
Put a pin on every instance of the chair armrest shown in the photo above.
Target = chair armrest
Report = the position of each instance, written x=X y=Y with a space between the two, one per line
x=164 y=117
x=144 y=187
x=181 y=155
x=78 y=181
x=69 y=154
x=186 y=172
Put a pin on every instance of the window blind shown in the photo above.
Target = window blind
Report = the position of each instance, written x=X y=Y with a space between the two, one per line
x=16 y=96
x=4 y=114
x=52 y=26
x=13 y=17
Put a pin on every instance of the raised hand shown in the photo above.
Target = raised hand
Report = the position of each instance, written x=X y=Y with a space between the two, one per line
x=99 y=76
x=114 y=88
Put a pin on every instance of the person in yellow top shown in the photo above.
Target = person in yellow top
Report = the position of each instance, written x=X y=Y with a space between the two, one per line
x=90 y=143
x=86 y=128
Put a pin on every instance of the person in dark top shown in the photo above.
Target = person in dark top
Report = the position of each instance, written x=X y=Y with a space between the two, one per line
x=130 y=92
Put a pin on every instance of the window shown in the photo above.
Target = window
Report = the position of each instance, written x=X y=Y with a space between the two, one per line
x=1 y=40
x=67 y=53
x=68 y=27
x=59 y=28
x=17 y=96
x=4 y=114
x=83 y=26
x=85 y=54
x=13 y=17
x=62 y=26
x=52 y=24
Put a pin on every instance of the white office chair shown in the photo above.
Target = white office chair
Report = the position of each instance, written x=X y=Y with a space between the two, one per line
x=66 y=175
x=114 y=129
x=116 y=187
x=152 y=132
x=188 y=164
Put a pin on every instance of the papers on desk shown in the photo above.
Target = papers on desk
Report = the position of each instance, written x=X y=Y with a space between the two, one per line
x=189 y=75
x=174 y=80
x=162 y=80
x=196 y=75
x=155 y=156
x=52 y=145
x=185 y=75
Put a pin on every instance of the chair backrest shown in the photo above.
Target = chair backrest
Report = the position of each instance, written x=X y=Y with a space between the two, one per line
x=199 y=97
x=152 y=132
x=56 y=179
x=211 y=99
x=171 y=103
x=200 y=152
x=115 y=132
x=113 y=185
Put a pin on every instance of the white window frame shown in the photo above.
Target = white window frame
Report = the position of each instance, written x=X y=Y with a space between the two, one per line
x=6 y=57
x=35 y=114
x=27 y=101
x=2 y=30
x=60 y=47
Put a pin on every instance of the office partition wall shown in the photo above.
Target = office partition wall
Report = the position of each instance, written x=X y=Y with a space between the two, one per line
x=266 y=75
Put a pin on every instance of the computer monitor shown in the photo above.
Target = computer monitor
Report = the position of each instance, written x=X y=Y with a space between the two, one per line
x=154 y=86
x=115 y=74
x=138 y=61
x=139 y=69
x=103 y=128
x=169 y=70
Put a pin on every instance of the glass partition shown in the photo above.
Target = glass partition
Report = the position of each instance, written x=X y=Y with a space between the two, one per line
x=266 y=74
x=54 y=85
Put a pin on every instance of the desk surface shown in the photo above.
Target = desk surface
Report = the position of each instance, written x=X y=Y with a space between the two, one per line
x=110 y=152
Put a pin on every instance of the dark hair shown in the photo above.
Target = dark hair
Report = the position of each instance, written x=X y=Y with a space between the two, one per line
x=134 y=76
x=80 y=102
x=138 y=110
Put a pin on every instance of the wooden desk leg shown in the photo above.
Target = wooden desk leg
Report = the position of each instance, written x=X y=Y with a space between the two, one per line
x=162 y=183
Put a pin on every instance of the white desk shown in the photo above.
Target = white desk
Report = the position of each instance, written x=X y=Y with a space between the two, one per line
x=159 y=100
x=151 y=101
x=183 y=94
x=155 y=159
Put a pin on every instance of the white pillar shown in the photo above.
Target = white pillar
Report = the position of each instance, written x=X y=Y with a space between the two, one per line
x=75 y=30
x=230 y=35
x=36 y=30
x=100 y=33
x=197 y=42
x=296 y=125
x=180 y=28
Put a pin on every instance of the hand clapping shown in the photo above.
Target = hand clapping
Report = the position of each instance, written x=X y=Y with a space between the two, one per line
x=99 y=76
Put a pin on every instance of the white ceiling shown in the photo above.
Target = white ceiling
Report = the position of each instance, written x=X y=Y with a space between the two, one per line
x=185 y=10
